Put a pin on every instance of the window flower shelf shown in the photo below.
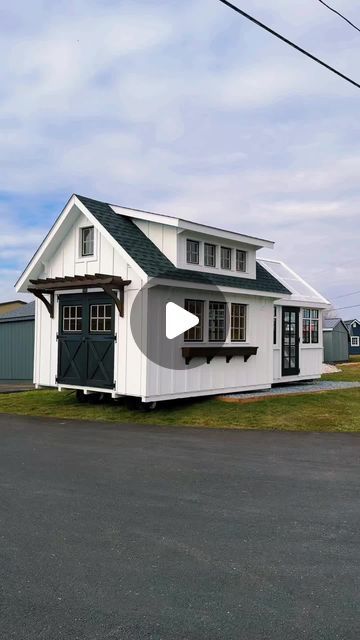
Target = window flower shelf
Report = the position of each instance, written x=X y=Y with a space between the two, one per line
x=211 y=352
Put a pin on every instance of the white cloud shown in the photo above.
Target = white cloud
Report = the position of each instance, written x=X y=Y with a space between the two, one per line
x=186 y=108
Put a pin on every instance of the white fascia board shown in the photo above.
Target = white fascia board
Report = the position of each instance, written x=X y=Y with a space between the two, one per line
x=44 y=245
x=186 y=225
x=305 y=304
x=55 y=229
x=182 y=284
x=259 y=243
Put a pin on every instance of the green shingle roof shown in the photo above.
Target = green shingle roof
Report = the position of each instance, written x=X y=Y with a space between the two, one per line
x=155 y=264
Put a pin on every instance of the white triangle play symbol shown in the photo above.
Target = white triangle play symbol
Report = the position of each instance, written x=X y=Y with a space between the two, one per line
x=178 y=320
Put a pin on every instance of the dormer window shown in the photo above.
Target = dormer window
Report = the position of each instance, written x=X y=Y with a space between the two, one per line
x=209 y=255
x=192 y=251
x=87 y=241
x=240 y=260
x=226 y=258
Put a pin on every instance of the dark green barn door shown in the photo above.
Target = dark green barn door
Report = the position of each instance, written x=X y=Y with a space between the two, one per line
x=290 y=341
x=86 y=341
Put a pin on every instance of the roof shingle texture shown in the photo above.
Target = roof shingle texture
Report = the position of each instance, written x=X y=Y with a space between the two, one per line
x=155 y=264
x=26 y=311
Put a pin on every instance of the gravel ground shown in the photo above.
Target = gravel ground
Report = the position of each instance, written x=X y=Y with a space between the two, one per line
x=305 y=387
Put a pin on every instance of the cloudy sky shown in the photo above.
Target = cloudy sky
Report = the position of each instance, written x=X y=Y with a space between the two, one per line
x=184 y=108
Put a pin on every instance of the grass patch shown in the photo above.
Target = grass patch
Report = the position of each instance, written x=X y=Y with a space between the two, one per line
x=349 y=373
x=328 y=411
x=354 y=358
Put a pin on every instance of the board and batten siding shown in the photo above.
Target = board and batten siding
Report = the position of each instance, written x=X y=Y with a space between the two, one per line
x=336 y=344
x=17 y=350
x=130 y=368
x=217 y=376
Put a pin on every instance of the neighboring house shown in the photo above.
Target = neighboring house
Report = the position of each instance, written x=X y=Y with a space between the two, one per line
x=7 y=307
x=103 y=277
x=354 y=331
x=17 y=343
x=336 y=340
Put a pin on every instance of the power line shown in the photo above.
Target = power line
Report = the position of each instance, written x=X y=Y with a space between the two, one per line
x=346 y=295
x=340 y=15
x=354 y=306
x=289 y=42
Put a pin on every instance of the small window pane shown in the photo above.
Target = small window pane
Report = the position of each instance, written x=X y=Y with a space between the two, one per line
x=238 y=322
x=192 y=251
x=217 y=321
x=72 y=318
x=197 y=308
x=240 y=260
x=209 y=255
x=226 y=258
x=87 y=241
x=101 y=318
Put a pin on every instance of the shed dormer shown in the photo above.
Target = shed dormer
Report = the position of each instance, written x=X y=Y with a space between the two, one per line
x=199 y=247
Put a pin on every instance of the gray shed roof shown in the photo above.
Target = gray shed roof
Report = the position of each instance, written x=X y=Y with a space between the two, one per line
x=155 y=264
x=25 y=312
x=331 y=323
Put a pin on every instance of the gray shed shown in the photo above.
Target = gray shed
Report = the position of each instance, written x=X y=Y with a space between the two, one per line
x=17 y=343
x=336 y=340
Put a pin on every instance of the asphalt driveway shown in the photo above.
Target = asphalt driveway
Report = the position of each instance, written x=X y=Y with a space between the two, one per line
x=135 y=532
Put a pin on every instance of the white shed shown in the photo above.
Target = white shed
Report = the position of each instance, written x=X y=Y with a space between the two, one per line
x=103 y=278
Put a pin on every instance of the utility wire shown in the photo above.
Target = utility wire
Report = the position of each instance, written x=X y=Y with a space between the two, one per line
x=340 y=15
x=354 y=306
x=346 y=295
x=289 y=42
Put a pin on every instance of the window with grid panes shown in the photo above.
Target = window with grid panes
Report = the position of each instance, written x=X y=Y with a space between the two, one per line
x=217 y=322
x=238 y=322
x=226 y=257
x=101 y=318
x=240 y=260
x=209 y=255
x=192 y=251
x=195 y=334
x=72 y=319
x=310 y=326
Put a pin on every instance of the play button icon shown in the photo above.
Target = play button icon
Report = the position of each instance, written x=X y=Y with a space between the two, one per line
x=178 y=320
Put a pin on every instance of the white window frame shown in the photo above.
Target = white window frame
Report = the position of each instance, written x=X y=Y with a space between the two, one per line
x=309 y=317
x=199 y=328
x=243 y=261
x=197 y=242
x=84 y=242
x=243 y=315
x=230 y=250
x=210 y=244
x=355 y=341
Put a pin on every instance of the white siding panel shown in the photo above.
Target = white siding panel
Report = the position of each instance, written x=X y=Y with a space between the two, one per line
x=163 y=236
x=217 y=376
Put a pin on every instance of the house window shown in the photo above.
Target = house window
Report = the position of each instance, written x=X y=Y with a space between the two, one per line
x=238 y=322
x=192 y=251
x=355 y=341
x=240 y=260
x=196 y=333
x=311 y=326
x=226 y=258
x=87 y=241
x=209 y=255
x=275 y=325
x=72 y=319
x=217 y=321
x=101 y=318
